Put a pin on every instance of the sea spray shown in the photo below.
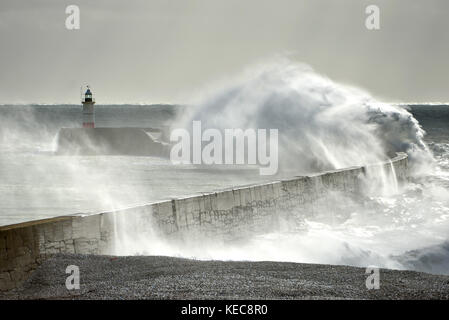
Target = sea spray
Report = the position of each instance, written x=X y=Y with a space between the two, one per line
x=322 y=124
x=327 y=125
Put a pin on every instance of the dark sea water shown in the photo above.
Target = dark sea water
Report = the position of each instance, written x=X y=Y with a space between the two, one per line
x=434 y=119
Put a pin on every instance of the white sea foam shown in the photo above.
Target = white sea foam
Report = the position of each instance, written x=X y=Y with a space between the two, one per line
x=322 y=124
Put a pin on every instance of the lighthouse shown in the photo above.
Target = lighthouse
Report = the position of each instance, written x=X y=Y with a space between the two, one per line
x=88 y=109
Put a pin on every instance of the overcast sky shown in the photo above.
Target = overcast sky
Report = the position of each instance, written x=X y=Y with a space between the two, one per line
x=162 y=50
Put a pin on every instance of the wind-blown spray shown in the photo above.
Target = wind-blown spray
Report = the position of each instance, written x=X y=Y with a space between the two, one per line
x=325 y=125
x=322 y=124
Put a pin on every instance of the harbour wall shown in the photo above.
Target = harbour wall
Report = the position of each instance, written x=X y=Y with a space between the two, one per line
x=224 y=215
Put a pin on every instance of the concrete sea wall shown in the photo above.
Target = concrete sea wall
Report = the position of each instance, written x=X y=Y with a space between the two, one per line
x=225 y=215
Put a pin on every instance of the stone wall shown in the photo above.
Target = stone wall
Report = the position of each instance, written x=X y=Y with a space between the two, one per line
x=227 y=214
x=23 y=246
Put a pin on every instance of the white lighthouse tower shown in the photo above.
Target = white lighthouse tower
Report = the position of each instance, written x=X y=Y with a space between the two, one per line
x=88 y=109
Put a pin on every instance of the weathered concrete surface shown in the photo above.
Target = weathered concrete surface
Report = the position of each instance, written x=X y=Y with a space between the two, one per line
x=224 y=215
x=140 y=277
x=24 y=246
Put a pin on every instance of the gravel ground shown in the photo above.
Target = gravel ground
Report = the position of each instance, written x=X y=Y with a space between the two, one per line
x=152 y=277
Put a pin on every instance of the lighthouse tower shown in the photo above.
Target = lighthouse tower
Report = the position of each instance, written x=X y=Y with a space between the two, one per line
x=88 y=109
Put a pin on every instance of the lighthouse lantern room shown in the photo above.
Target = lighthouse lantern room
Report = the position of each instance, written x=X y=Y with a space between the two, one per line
x=88 y=109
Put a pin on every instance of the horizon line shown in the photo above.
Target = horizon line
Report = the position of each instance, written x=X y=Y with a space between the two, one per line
x=181 y=104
